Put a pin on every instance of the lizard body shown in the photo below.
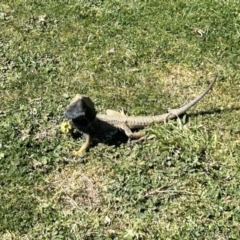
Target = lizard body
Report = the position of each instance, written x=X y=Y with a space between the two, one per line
x=83 y=117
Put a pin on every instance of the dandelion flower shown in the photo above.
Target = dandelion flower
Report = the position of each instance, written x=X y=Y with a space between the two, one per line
x=66 y=127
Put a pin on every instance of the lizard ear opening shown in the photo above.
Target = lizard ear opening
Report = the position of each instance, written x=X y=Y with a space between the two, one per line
x=81 y=107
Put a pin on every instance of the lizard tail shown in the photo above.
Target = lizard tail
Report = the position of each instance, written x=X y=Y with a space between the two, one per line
x=178 y=111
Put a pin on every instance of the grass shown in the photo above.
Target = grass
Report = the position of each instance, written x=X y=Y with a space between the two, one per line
x=143 y=56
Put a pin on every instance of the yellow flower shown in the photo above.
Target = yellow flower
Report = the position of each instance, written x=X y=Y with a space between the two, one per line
x=66 y=127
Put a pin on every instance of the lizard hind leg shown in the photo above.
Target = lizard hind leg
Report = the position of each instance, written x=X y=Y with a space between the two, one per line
x=132 y=135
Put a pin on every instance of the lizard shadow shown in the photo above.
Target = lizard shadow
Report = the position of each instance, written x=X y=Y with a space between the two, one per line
x=202 y=113
x=115 y=140
x=213 y=111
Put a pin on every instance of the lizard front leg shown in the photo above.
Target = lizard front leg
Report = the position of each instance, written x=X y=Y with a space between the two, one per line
x=85 y=146
x=82 y=129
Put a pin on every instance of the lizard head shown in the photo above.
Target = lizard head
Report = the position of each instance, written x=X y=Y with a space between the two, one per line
x=81 y=109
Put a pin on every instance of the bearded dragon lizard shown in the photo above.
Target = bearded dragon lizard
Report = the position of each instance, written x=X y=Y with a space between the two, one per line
x=83 y=116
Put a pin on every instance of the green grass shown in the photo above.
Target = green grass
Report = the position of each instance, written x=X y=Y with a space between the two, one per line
x=144 y=57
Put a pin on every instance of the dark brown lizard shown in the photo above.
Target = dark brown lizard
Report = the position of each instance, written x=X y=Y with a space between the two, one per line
x=84 y=118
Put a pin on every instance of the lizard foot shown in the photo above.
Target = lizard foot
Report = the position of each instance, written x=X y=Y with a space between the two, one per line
x=82 y=150
x=141 y=139
x=137 y=135
x=79 y=153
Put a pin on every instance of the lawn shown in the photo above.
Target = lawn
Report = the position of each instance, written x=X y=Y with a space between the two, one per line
x=140 y=56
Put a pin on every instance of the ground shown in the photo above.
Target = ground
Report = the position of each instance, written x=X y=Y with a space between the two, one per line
x=140 y=56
